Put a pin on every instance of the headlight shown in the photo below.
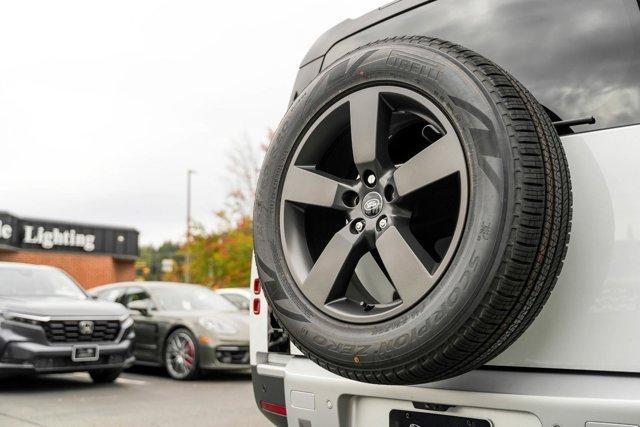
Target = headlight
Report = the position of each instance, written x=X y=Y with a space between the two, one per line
x=126 y=322
x=25 y=318
x=217 y=326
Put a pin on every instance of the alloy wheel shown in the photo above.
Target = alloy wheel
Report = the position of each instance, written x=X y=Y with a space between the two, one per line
x=373 y=204
x=180 y=355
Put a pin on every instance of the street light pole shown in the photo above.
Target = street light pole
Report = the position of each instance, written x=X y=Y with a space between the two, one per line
x=187 y=270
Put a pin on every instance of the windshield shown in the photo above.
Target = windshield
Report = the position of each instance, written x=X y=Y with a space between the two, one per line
x=31 y=282
x=239 y=301
x=186 y=298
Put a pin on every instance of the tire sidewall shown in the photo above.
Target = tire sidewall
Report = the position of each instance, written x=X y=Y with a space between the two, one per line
x=478 y=121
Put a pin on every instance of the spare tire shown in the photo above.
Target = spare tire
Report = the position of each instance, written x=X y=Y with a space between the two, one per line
x=412 y=213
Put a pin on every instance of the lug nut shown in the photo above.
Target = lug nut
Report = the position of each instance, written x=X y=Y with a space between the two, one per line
x=359 y=226
x=371 y=178
x=382 y=223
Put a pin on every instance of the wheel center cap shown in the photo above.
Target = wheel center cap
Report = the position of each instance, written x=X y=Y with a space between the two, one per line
x=372 y=204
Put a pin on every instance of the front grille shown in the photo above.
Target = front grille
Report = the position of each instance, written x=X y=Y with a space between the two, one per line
x=238 y=355
x=66 y=362
x=63 y=331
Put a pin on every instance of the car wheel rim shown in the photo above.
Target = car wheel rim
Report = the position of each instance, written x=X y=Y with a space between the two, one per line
x=180 y=355
x=373 y=204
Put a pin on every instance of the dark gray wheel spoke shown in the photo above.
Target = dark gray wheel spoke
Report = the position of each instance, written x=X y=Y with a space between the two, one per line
x=369 y=124
x=389 y=255
x=404 y=259
x=334 y=267
x=442 y=158
x=314 y=188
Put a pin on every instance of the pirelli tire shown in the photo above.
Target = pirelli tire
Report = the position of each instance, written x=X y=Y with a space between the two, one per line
x=412 y=214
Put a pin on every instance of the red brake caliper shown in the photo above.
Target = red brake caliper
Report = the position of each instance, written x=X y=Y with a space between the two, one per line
x=191 y=351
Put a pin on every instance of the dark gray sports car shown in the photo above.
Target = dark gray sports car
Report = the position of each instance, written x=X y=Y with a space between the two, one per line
x=185 y=328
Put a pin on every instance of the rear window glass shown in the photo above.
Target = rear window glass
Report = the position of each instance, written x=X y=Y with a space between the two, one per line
x=578 y=57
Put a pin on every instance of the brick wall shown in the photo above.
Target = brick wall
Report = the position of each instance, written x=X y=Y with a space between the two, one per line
x=88 y=270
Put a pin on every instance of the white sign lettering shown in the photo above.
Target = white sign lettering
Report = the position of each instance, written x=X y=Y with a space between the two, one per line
x=47 y=239
x=6 y=231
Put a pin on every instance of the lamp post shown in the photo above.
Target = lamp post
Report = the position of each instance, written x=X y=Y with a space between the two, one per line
x=187 y=271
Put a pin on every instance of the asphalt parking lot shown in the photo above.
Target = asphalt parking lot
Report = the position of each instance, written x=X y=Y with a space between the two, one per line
x=142 y=397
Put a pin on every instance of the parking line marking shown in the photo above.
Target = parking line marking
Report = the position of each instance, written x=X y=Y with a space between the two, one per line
x=82 y=375
x=131 y=381
x=120 y=380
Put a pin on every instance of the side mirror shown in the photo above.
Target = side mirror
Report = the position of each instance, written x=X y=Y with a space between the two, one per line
x=141 y=306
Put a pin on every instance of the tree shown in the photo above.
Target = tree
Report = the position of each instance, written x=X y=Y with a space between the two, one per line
x=223 y=258
x=149 y=263
x=243 y=169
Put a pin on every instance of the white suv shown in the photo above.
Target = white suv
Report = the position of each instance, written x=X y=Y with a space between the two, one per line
x=447 y=221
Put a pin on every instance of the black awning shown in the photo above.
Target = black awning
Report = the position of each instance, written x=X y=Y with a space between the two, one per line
x=45 y=235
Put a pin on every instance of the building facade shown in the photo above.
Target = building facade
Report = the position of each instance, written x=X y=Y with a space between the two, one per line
x=93 y=255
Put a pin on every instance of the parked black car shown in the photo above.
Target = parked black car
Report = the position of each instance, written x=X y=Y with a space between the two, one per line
x=48 y=324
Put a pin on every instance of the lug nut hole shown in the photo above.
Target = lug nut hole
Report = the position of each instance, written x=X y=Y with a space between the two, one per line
x=389 y=193
x=350 y=199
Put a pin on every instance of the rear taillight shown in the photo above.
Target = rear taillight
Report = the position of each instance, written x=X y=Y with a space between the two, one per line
x=257 y=287
x=274 y=408
x=256 y=306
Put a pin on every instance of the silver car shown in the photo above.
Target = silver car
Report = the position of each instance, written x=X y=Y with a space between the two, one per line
x=185 y=328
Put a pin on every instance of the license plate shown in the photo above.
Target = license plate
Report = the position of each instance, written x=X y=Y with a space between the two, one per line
x=85 y=353
x=399 y=418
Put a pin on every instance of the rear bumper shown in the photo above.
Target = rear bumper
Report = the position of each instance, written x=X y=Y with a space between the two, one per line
x=316 y=397
x=34 y=358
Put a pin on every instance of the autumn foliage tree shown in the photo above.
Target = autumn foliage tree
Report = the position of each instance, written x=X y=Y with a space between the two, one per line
x=222 y=258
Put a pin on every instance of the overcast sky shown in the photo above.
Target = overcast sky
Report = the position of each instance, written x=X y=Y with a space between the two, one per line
x=105 y=105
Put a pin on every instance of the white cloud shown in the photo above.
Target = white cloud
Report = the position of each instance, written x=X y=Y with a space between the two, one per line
x=105 y=105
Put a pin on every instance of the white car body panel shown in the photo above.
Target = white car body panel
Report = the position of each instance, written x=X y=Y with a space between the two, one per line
x=586 y=339
x=587 y=322
x=258 y=324
x=591 y=320
x=506 y=399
